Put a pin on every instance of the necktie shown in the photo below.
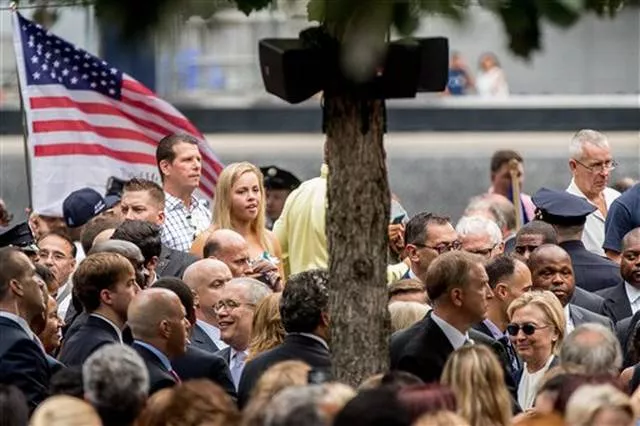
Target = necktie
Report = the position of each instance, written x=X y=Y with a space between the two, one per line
x=513 y=358
x=237 y=367
x=175 y=376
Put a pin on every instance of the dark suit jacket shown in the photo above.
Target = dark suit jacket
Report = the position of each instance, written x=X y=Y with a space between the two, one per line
x=225 y=354
x=581 y=316
x=159 y=376
x=294 y=347
x=592 y=272
x=94 y=333
x=199 y=364
x=616 y=300
x=23 y=363
x=591 y=302
x=172 y=263
x=201 y=340
x=482 y=328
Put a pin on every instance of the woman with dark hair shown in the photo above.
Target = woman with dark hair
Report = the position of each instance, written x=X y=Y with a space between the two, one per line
x=430 y=398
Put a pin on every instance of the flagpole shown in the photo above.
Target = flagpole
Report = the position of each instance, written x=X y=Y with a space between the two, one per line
x=25 y=134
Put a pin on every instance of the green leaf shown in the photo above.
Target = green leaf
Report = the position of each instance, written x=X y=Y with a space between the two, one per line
x=406 y=18
x=561 y=12
x=317 y=10
x=521 y=23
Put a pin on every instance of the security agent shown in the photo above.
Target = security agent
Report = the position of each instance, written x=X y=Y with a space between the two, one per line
x=21 y=237
x=568 y=213
x=278 y=184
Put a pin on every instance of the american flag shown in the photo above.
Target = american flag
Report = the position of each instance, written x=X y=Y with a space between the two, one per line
x=87 y=120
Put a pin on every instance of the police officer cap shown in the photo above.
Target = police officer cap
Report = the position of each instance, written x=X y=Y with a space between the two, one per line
x=19 y=236
x=561 y=208
x=277 y=178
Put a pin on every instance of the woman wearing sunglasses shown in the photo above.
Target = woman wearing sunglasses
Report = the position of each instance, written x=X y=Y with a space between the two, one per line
x=536 y=330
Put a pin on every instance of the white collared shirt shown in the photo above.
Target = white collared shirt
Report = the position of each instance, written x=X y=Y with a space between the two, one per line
x=569 y=326
x=108 y=321
x=456 y=338
x=593 y=234
x=633 y=294
x=213 y=332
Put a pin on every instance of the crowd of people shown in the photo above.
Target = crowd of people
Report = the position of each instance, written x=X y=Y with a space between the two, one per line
x=150 y=308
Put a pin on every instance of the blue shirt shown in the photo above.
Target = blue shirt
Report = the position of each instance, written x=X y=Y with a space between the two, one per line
x=458 y=82
x=623 y=216
x=162 y=357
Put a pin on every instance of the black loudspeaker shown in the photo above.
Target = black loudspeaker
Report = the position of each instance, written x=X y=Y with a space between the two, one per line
x=290 y=70
x=434 y=64
x=399 y=74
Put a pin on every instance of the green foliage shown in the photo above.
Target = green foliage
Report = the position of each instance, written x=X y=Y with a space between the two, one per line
x=248 y=6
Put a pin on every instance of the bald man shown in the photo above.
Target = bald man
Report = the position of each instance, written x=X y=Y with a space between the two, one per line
x=551 y=270
x=231 y=248
x=206 y=279
x=160 y=329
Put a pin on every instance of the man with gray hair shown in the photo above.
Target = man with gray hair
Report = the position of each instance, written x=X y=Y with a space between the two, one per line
x=480 y=236
x=298 y=405
x=235 y=310
x=591 y=163
x=116 y=383
x=593 y=347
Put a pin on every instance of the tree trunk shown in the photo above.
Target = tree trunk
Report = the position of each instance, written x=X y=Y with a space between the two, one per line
x=357 y=221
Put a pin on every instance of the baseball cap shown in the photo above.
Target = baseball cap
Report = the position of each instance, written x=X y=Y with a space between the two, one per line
x=81 y=206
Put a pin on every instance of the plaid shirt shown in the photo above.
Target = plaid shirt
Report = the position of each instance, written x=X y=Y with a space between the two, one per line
x=182 y=225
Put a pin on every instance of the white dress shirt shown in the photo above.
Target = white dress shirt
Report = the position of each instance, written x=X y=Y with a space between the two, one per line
x=633 y=294
x=64 y=298
x=213 y=332
x=569 y=326
x=529 y=383
x=456 y=338
x=593 y=234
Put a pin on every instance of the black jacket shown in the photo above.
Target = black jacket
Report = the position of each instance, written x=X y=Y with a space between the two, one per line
x=592 y=272
x=199 y=364
x=172 y=263
x=591 y=302
x=616 y=300
x=89 y=337
x=23 y=363
x=159 y=376
x=294 y=347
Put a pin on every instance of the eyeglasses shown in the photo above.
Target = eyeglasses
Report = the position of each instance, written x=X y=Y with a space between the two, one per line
x=527 y=328
x=229 y=304
x=484 y=252
x=607 y=166
x=442 y=248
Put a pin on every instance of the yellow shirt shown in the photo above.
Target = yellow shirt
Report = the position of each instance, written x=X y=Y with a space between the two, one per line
x=301 y=226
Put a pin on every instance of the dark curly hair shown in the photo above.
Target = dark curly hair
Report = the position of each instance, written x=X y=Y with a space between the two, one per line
x=304 y=299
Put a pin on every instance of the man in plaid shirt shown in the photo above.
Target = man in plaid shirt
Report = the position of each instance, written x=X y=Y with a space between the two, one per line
x=180 y=167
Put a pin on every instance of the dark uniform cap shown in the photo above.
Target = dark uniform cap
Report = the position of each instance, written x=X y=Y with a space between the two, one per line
x=19 y=236
x=561 y=208
x=276 y=178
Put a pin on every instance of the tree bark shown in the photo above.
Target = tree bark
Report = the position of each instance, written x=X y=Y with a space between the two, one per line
x=357 y=221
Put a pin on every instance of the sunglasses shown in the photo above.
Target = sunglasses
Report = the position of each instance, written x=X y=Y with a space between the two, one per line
x=527 y=328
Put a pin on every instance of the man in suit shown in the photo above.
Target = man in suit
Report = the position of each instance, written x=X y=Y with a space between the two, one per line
x=105 y=284
x=427 y=236
x=235 y=311
x=147 y=237
x=160 y=330
x=568 y=214
x=206 y=278
x=509 y=278
x=458 y=287
x=58 y=253
x=145 y=200
x=624 y=299
x=22 y=358
x=304 y=313
x=196 y=363
x=551 y=270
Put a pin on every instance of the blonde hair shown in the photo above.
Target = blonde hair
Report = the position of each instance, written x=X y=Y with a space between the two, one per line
x=222 y=202
x=550 y=306
x=475 y=376
x=588 y=400
x=63 y=410
x=441 y=418
x=278 y=377
x=267 y=330
x=405 y=314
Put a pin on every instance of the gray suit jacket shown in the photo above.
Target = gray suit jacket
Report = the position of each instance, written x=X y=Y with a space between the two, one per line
x=581 y=316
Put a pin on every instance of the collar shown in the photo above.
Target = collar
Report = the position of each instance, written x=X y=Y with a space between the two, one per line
x=312 y=336
x=234 y=353
x=162 y=357
x=108 y=321
x=608 y=193
x=324 y=171
x=454 y=336
x=19 y=320
x=568 y=319
x=174 y=203
x=632 y=293
x=495 y=331
x=572 y=244
x=574 y=190
x=413 y=275
x=213 y=332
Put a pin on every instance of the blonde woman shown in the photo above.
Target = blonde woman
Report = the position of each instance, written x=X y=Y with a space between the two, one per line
x=405 y=314
x=476 y=378
x=240 y=205
x=597 y=405
x=536 y=330
x=267 y=331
